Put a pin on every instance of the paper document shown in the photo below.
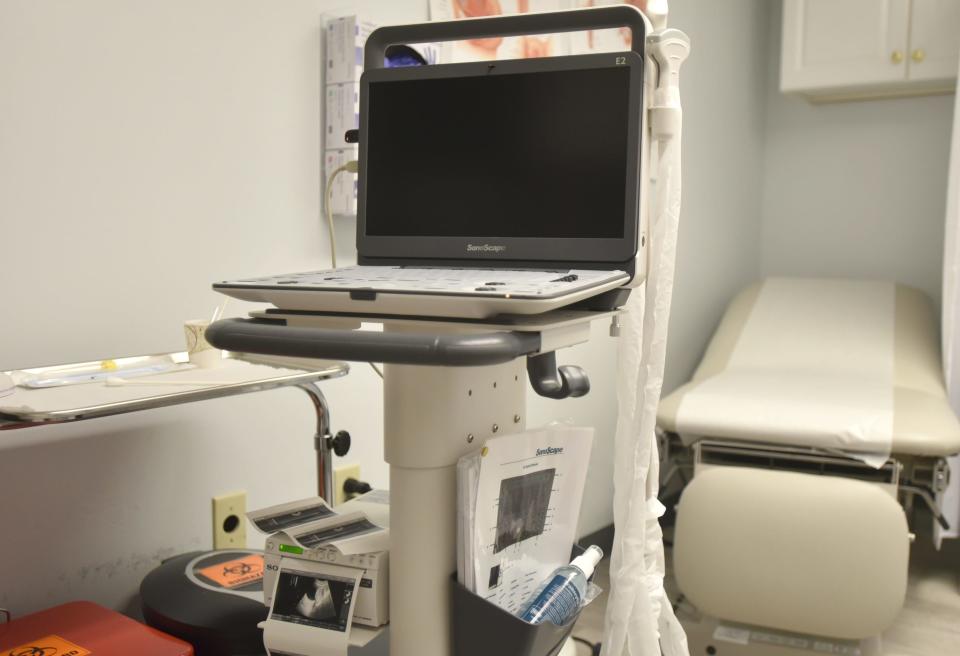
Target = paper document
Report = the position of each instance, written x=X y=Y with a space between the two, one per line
x=350 y=534
x=519 y=502
x=285 y=515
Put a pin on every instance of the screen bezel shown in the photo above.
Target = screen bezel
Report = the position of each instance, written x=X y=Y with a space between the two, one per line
x=523 y=249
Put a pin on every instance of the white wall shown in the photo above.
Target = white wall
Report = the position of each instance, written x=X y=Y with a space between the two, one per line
x=854 y=189
x=148 y=149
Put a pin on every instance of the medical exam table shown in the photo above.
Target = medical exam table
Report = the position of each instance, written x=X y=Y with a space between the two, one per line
x=817 y=418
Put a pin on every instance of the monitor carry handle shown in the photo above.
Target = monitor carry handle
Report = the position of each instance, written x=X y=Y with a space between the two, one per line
x=573 y=20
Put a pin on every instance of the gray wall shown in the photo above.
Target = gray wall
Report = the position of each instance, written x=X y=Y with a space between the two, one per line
x=723 y=133
x=854 y=189
x=147 y=149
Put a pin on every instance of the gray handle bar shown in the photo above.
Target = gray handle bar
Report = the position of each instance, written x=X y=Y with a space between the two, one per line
x=271 y=338
x=574 y=20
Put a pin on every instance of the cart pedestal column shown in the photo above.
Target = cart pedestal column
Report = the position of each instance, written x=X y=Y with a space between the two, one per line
x=432 y=417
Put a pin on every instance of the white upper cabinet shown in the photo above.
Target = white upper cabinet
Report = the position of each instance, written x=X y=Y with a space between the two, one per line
x=935 y=40
x=838 y=49
x=829 y=43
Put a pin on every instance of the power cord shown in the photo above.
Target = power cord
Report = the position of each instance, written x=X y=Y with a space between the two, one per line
x=594 y=648
x=353 y=488
x=350 y=167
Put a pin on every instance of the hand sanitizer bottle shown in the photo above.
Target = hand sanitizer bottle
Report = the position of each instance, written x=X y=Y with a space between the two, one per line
x=561 y=597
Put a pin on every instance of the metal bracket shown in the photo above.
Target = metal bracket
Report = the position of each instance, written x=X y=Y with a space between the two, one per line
x=322 y=440
x=927 y=497
x=941 y=476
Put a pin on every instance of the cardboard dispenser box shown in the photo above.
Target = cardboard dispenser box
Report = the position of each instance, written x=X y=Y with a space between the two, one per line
x=345 y=38
x=343 y=194
x=342 y=109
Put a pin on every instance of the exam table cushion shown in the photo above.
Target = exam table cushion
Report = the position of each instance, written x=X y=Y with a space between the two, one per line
x=818 y=555
x=923 y=422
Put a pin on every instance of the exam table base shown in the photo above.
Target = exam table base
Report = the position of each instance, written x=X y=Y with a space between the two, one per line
x=701 y=631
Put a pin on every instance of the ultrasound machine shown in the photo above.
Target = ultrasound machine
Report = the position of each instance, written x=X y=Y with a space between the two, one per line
x=502 y=208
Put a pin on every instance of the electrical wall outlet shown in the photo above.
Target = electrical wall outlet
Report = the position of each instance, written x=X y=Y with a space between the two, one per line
x=341 y=474
x=230 y=521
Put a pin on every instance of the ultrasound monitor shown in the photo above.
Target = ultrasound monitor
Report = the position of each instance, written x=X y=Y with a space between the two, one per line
x=528 y=160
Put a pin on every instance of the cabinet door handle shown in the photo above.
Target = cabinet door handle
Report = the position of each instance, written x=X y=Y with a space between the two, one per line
x=918 y=55
x=896 y=56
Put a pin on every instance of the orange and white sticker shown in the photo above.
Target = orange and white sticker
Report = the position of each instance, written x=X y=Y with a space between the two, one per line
x=51 y=645
x=235 y=573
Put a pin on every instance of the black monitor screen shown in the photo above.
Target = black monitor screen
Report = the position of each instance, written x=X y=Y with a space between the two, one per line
x=540 y=154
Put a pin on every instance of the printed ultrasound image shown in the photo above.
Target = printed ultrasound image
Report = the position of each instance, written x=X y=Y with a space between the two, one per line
x=313 y=599
x=523 y=507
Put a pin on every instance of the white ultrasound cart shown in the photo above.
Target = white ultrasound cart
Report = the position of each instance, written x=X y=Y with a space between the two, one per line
x=448 y=385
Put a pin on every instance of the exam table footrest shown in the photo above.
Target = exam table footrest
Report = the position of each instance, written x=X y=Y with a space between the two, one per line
x=804 y=553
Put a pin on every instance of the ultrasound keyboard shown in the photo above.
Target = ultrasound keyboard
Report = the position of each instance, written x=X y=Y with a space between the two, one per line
x=522 y=283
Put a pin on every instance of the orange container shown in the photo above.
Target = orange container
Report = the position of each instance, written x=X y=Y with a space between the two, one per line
x=82 y=628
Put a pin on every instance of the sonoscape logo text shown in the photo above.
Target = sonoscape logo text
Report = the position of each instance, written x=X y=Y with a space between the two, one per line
x=485 y=248
x=550 y=451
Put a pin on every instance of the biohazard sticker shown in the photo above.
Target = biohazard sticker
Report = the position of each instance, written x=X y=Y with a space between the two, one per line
x=234 y=573
x=52 y=645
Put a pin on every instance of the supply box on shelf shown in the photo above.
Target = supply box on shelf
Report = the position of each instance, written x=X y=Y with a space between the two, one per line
x=344 y=38
x=342 y=108
x=343 y=194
